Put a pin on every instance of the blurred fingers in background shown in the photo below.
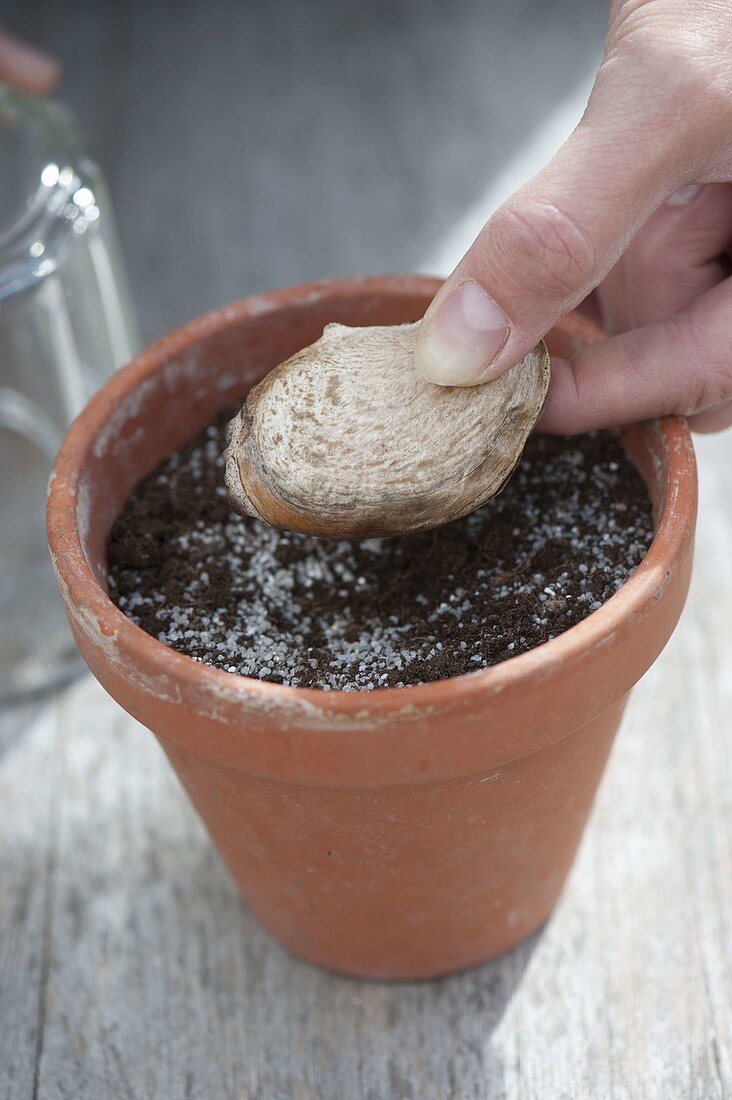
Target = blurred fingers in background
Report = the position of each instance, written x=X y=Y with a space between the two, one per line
x=25 y=67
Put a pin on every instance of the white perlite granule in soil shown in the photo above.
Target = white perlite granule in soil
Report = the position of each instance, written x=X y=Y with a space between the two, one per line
x=571 y=525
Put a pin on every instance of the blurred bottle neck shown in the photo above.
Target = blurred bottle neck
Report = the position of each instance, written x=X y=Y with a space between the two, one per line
x=48 y=189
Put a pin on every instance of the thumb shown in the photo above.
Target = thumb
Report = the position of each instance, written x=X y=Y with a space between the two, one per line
x=551 y=243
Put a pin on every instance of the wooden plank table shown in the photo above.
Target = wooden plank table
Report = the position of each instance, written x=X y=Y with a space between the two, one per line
x=129 y=967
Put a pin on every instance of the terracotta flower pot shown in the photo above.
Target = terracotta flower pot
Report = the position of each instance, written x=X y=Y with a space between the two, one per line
x=401 y=833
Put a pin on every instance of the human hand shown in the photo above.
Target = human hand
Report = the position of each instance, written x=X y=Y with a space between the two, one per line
x=25 y=67
x=638 y=204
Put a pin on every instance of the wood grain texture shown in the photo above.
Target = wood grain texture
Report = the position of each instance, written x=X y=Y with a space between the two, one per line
x=129 y=967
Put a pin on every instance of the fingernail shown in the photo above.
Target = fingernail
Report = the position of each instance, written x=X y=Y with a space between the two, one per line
x=459 y=341
x=685 y=195
x=27 y=67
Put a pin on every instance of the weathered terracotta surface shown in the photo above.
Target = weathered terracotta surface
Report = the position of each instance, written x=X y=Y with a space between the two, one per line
x=401 y=833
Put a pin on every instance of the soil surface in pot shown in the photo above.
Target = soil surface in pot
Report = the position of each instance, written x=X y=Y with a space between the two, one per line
x=565 y=534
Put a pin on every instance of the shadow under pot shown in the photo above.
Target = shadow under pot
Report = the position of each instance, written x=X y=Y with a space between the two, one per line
x=399 y=833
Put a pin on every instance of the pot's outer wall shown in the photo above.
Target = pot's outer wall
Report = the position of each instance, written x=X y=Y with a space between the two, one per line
x=408 y=881
x=400 y=833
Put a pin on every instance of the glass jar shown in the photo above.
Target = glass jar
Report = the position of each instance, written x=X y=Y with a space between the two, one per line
x=66 y=322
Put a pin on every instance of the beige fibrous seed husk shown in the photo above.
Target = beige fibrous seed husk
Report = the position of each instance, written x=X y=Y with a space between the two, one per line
x=345 y=439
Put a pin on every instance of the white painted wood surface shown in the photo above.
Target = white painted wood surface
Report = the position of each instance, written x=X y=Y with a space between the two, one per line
x=129 y=968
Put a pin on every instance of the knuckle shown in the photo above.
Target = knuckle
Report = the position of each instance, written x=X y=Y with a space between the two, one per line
x=682 y=64
x=544 y=245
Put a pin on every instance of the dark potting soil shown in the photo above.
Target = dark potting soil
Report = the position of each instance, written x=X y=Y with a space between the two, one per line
x=567 y=531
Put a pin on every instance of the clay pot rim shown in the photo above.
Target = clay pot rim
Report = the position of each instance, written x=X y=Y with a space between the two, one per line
x=99 y=616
